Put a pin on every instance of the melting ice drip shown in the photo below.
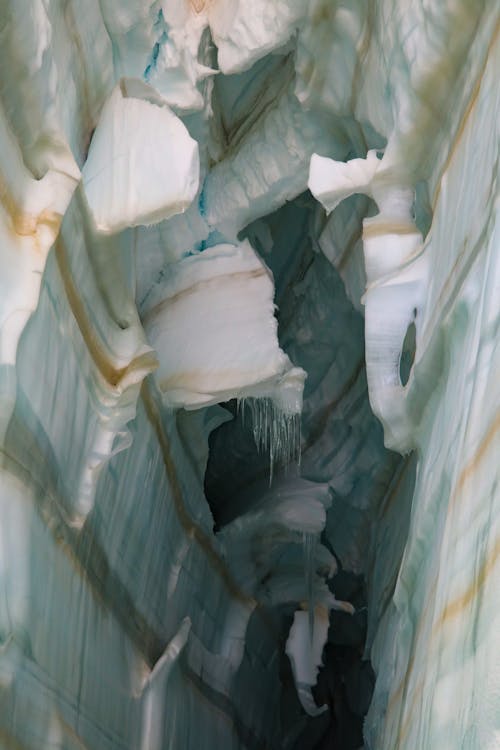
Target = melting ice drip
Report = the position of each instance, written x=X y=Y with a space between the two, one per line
x=274 y=430
x=309 y=542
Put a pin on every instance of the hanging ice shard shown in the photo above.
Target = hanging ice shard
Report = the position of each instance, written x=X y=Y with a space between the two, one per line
x=201 y=201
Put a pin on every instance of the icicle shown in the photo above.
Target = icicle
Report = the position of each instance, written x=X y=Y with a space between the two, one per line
x=309 y=542
x=240 y=409
x=273 y=430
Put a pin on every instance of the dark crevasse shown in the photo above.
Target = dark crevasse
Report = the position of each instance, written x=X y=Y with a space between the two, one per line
x=342 y=447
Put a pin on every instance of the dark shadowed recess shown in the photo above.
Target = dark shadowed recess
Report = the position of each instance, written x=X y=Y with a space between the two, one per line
x=321 y=331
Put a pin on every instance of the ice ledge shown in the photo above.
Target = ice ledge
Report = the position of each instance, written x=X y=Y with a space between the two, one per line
x=212 y=323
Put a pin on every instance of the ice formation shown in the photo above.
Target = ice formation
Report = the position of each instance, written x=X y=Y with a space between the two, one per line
x=139 y=141
x=249 y=375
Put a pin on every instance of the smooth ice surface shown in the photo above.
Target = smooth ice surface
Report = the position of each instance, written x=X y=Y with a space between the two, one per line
x=142 y=164
x=201 y=201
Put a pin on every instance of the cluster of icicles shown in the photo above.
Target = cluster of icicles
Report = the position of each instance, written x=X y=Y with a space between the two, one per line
x=274 y=430
x=279 y=433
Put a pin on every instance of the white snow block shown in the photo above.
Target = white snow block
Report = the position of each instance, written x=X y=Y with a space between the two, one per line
x=332 y=181
x=142 y=166
x=212 y=323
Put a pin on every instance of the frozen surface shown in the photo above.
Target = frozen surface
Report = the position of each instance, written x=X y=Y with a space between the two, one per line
x=142 y=164
x=203 y=310
x=249 y=307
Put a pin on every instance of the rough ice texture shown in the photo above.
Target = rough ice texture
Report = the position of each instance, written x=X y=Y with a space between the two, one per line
x=216 y=311
x=125 y=621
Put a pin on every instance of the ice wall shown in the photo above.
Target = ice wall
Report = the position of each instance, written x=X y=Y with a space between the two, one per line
x=154 y=163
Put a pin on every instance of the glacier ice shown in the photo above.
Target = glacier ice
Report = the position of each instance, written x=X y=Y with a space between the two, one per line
x=304 y=649
x=249 y=374
x=139 y=141
x=202 y=309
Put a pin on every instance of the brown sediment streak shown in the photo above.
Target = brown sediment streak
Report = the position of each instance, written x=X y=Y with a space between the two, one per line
x=452 y=610
x=88 y=561
x=457 y=606
x=28 y=224
x=349 y=248
x=378 y=229
x=394 y=697
x=393 y=491
x=451 y=274
x=8 y=202
x=225 y=707
x=9 y=742
x=71 y=732
x=478 y=456
x=235 y=133
x=191 y=529
x=80 y=545
x=404 y=725
x=463 y=122
x=409 y=713
x=23 y=223
x=96 y=350
x=444 y=303
x=203 y=285
x=397 y=694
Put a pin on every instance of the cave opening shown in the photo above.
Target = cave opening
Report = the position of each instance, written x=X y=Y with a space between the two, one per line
x=320 y=326
x=178 y=311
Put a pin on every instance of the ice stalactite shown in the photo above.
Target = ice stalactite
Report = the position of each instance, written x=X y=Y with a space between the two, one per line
x=309 y=542
x=274 y=430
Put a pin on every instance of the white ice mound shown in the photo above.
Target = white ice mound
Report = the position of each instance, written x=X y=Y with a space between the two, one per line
x=212 y=323
x=142 y=165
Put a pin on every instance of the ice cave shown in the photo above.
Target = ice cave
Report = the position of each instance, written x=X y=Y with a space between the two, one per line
x=249 y=375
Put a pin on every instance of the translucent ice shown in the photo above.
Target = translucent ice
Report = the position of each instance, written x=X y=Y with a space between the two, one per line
x=201 y=201
x=204 y=308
